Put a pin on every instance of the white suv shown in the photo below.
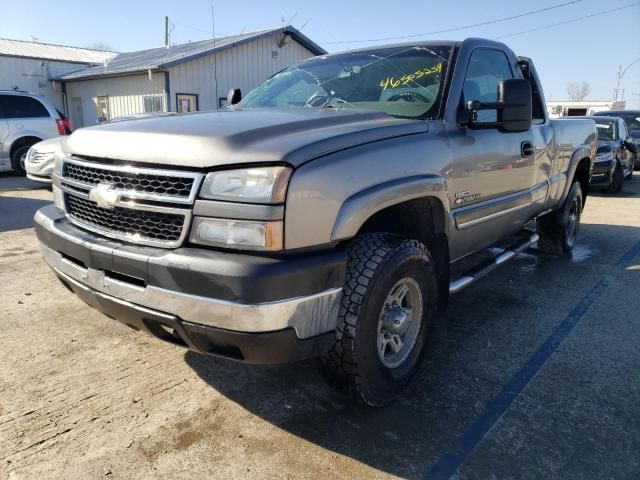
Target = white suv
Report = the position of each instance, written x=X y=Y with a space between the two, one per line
x=25 y=119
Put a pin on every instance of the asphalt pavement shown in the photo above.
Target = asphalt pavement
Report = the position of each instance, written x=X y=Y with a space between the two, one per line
x=534 y=372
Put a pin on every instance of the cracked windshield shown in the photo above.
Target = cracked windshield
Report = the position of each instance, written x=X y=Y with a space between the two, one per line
x=404 y=82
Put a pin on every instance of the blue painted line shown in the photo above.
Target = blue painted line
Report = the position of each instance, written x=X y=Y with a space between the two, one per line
x=447 y=464
x=628 y=257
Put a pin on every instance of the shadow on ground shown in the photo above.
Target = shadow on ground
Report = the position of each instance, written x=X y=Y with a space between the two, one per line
x=489 y=332
x=16 y=213
x=12 y=182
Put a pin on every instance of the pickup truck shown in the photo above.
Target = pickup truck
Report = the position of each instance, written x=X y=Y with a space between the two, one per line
x=326 y=214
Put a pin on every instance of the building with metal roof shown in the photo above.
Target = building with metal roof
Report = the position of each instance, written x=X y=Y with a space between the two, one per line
x=181 y=78
x=94 y=86
x=31 y=66
x=165 y=57
x=57 y=53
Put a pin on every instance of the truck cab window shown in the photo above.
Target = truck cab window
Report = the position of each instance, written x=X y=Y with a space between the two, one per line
x=486 y=68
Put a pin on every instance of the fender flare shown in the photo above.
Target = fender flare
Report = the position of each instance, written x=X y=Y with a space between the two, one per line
x=583 y=151
x=360 y=206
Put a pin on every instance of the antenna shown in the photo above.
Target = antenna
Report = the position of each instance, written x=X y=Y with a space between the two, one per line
x=215 y=66
x=166 y=32
x=304 y=24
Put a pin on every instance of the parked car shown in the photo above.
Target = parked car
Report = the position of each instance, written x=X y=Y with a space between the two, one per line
x=41 y=156
x=40 y=159
x=25 y=119
x=616 y=154
x=323 y=215
x=632 y=120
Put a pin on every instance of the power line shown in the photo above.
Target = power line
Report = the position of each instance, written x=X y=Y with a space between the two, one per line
x=490 y=22
x=603 y=12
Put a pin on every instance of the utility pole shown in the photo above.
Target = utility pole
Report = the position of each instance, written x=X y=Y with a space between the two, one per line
x=215 y=55
x=166 y=32
x=619 y=78
x=621 y=73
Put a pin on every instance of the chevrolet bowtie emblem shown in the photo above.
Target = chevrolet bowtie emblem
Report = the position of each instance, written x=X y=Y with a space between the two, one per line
x=104 y=195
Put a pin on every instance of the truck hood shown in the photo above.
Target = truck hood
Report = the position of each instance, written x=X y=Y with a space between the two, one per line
x=211 y=139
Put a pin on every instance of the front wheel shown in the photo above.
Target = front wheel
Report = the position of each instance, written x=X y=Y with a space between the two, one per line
x=388 y=303
x=558 y=230
x=18 y=160
x=617 y=179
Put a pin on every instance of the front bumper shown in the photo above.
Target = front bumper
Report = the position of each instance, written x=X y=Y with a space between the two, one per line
x=39 y=172
x=250 y=308
x=602 y=172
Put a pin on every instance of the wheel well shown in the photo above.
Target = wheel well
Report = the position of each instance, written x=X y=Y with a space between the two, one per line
x=582 y=175
x=422 y=219
x=21 y=142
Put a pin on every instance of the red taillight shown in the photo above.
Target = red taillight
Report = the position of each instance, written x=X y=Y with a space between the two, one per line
x=60 y=125
x=67 y=124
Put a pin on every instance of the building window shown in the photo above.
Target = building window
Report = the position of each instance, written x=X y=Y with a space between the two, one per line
x=186 y=102
x=102 y=107
x=152 y=103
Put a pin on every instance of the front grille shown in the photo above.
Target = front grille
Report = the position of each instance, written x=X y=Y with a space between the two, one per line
x=125 y=222
x=130 y=180
x=149 y=206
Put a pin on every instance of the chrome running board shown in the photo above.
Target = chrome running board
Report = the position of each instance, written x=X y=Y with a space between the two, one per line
x=486 y=267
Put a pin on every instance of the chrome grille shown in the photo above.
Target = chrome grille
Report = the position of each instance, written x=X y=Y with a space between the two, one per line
x=142 y=205
x=135 y=182
x=134 y=224
x=169 y=186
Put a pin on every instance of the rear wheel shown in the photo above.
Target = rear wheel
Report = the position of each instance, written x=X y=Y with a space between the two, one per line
x=19 y=158
x=617 y=179
x=388 y=303
x=558 y=230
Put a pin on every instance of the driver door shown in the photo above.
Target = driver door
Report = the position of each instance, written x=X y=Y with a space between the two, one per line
x=492 y=171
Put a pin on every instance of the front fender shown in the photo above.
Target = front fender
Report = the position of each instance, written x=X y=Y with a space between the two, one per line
x=362 y=205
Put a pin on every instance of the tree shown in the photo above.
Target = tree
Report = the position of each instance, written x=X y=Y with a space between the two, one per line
x=578 y=91
x=99 y=46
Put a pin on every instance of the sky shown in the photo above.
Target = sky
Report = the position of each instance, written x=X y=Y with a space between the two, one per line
x=588 y=50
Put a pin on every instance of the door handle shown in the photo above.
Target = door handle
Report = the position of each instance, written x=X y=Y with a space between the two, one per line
x=526 y=149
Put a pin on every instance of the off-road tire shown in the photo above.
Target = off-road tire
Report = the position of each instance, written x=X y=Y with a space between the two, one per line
x=554 y=228
x=15 y=159
x=375 y=262
x=617 y=179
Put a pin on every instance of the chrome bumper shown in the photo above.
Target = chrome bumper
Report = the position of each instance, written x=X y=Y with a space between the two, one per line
x=309 y=315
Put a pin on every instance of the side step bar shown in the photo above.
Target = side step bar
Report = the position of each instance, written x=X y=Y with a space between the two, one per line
x=480 y=271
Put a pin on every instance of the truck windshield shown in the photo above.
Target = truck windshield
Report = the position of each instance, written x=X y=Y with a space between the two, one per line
x=400 y=81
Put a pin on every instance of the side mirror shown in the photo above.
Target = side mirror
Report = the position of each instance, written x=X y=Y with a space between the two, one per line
x=631 y=146
x=234 y=96
x=513 y=108
x=515 y=96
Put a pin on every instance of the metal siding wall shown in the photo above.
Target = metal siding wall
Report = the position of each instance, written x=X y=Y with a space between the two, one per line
x=244 y=67
x=126 y=94
x=27 y=74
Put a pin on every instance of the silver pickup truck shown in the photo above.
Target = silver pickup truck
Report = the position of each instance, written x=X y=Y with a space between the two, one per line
x=328 y=214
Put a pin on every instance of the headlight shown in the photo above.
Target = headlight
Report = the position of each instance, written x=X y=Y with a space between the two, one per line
x=243 y=234
x=604 y=157
x=250 y=185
